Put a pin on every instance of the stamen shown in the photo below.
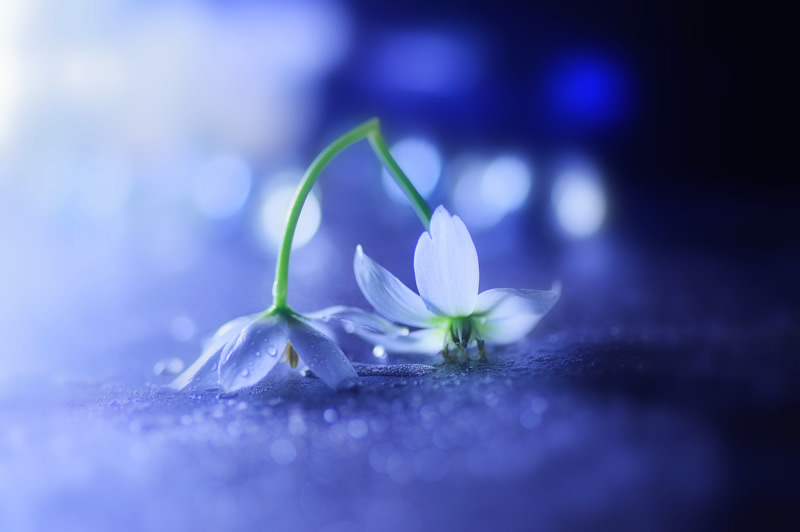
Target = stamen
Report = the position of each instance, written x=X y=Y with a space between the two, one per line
x=482 y=352
x=292 y=358
x=446 y=352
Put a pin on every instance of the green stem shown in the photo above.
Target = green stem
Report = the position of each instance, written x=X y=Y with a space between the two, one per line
x=370 y=130
x=417 y=201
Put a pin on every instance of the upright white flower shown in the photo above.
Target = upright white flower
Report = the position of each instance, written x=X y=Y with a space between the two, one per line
x=250 y=349
x=449 y=313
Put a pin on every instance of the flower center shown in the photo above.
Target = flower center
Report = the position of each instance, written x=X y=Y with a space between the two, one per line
x=460 y=334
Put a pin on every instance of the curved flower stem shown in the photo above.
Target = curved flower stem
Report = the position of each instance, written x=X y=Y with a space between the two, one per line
x=380 y=148
x=370 y=130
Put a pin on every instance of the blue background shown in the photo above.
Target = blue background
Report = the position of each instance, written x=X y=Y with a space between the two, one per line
x=142 y=149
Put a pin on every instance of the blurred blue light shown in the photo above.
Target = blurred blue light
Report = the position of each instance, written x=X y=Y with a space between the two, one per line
x=182 y=328
x=421 y=162
x=589 y=89
x=579 y=200
x=172 y=243
x=272 y=215
x=467 y=201
x=506 y=183
x=488 y=191
x=426 y=62
x=222 y=186
x=10 y=79
x=104 y=184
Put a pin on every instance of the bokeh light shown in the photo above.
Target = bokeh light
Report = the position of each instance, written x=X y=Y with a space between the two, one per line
x=272 y=215
x=104 y=186
x=588 y=89
x=221 y=186
x=578 y=199
x=11 y=22
x=486 y=191
x=506 y=183
x=426 y=62
x=421 y=162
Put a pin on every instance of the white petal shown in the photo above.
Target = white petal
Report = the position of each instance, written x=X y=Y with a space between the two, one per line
x=387 y=294
x=283 y=372
x=356 y=317
x=510 y=314
x=322 y=355
x=249 y=357
x=421 y=342
x=446 y=266
x=203 y=371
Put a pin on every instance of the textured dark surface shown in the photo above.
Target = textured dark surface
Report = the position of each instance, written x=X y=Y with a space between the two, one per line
x=653 y=420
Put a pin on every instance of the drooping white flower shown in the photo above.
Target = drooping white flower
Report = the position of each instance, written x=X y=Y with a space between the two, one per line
x=448 y=313
x=249 y=349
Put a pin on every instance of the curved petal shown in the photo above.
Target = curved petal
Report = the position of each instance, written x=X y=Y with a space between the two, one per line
x=356 y=317
x=446 y=266
x=249 y=357
x=203 y=371
x=387 y=294
x=322 y=355
x=421 y=342
x=510 y=314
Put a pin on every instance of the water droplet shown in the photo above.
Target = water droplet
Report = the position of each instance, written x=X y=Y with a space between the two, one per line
x=258 y=353
x=379 y=352
x=245 y=372
x=349 y=327
x=272 y=350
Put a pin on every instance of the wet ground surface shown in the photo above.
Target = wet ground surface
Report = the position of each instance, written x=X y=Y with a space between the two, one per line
x=656 y=396
x=600 y=433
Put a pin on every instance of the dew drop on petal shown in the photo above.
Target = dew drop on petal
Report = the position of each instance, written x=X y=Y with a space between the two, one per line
x=349 y=328
x=272 y=350
x=245 y=372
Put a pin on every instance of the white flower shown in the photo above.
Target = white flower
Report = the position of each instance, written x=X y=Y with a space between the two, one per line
x=448 y=312
x=252 y=348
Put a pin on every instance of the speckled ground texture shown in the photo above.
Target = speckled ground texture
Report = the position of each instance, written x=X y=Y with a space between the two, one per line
x=658 y=402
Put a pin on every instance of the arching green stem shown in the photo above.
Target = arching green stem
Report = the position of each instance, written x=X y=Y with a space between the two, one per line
x=417 y=201
x=370 y=130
